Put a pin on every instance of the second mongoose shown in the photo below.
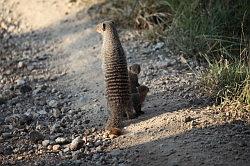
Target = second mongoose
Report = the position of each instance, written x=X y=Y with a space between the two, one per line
x=116 y=77
x=138 y=99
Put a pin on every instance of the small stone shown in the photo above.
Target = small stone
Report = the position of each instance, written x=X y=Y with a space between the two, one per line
x=8 y=72
x=49 y=147
x=76 y=143
x=61 y=140
x=20 y=82
x=56 y=113
x=66 y=150
x=19 y=157
x=53 y=90
x=56 y=148
x=45 y=143
x=53 y=103
x=20 y=64
x=35 y=136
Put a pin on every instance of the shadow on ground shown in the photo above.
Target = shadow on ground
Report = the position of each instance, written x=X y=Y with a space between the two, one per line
x=225 y=144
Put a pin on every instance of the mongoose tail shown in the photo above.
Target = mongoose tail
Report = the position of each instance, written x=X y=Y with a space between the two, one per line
x=115 y=131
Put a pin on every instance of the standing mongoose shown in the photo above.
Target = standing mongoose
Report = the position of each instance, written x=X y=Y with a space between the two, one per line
x=116 y=77
x=133 y=72
x=138 y=99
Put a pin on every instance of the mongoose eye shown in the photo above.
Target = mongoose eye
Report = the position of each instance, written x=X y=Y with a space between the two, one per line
x=103 y=26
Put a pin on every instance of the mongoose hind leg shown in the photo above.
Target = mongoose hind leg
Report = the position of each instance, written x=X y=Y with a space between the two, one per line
x=138 y=110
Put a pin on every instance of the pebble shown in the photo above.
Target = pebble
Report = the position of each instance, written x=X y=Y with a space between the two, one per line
x=19 y=157
x=56 y=148
x=76 y=143
x=53 y=103
x=61 y=140
x=20 y=64
x=49 y=147
x=45 y=143
x=56 y=113
x=20 y=82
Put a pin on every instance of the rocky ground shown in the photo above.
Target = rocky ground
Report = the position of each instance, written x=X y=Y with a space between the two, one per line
x=52 y=104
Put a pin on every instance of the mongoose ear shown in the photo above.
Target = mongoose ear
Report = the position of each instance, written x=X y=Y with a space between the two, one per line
x=103 y=26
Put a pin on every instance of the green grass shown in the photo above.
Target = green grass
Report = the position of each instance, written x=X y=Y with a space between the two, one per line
x=228 y=81
x=216 y=31
x=205 y=27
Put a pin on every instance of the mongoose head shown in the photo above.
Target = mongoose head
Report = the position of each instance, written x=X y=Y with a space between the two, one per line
x=135 y=68
x=106 y=26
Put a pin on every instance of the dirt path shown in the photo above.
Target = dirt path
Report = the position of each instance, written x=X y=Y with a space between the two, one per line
x=178 y=127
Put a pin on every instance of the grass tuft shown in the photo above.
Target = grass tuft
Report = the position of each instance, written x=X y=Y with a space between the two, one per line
x=216 y=31
x=228 y=81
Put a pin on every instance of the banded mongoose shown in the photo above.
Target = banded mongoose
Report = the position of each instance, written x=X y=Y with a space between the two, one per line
x=133 y=72
x=116 y=77
x=138 y=99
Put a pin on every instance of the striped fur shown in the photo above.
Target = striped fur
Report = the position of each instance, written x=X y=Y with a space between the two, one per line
x=116 y=75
